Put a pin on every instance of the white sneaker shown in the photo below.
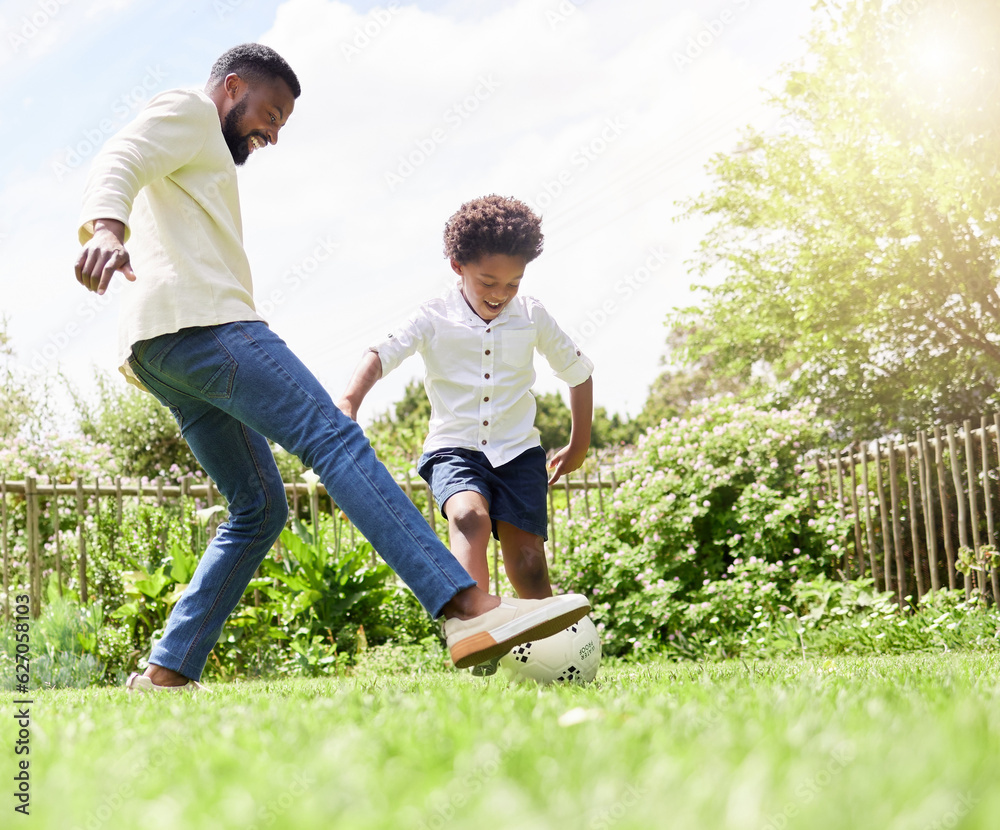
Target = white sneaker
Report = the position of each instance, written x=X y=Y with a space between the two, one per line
x=140 y=684
x=511 y=623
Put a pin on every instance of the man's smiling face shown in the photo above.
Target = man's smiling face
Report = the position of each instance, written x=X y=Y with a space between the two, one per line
x=260 y=109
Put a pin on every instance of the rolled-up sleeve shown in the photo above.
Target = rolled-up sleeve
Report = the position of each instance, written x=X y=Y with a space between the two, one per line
x=567 y=361
x=402 y=342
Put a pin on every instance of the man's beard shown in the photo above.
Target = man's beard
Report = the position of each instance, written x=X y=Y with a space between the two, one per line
x=238 y=145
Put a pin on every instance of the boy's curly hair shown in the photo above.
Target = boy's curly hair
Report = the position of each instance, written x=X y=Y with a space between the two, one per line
x=493 y=225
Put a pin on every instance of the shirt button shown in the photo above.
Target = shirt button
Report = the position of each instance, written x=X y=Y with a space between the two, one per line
x=486 y=398
x=488 y=330
x=486 y=423
x=577 y=352
x=484 y=442
x=487 y=376
x=487 y=351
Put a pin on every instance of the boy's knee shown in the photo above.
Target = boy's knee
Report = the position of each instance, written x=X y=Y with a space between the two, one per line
x=469 y=519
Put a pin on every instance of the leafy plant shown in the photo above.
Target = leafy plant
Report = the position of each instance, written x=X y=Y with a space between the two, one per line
x=977 y=566
x=714 y=497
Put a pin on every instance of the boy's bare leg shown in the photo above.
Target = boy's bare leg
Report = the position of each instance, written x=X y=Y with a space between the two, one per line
x=524 y=561
x=469 y=527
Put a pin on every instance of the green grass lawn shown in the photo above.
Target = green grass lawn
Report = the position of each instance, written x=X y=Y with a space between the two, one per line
x=887 y=743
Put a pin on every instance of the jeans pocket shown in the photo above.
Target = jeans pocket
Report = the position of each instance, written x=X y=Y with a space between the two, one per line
x=134 y=362
x=192 y=359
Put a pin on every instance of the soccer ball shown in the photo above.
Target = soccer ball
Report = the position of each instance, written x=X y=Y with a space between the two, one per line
x=571 y=656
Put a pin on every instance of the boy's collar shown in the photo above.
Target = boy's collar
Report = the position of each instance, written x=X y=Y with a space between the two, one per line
x=457 y=304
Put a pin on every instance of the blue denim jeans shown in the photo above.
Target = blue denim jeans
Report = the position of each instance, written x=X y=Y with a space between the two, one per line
x=231 y=387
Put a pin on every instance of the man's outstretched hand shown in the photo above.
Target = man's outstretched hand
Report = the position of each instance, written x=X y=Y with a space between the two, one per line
x=104 y=254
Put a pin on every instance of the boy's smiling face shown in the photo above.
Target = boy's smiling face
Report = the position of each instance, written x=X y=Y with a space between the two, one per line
x=490 y=282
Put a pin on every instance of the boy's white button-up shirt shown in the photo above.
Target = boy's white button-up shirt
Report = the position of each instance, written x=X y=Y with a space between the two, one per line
x=479 y=374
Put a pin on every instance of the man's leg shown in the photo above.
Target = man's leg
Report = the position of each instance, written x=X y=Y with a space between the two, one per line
x=242 y=466
x=246 y=371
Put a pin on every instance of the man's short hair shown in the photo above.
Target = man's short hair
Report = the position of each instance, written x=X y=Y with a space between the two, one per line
x=254 y=62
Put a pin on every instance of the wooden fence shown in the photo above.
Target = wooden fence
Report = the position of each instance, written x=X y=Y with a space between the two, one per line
x=913 y=505
x=42 y=497
x=941 y=485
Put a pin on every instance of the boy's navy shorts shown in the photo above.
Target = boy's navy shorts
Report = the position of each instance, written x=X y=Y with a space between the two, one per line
x=516 y=491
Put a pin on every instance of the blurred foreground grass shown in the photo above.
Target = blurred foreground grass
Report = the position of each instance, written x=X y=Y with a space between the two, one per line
x=888 y=743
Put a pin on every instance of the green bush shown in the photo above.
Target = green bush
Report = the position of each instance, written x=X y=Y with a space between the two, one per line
x=716 y=497
x=315 y=606
x=72 y=646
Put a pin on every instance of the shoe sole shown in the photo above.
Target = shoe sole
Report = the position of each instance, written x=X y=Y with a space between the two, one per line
x=489 y=644
x=191 y=687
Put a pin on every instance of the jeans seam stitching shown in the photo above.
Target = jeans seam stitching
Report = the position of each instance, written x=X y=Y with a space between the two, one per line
x=267 y=514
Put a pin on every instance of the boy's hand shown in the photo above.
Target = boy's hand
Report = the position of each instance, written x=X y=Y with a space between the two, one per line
x=104 y=254
x=565 y=461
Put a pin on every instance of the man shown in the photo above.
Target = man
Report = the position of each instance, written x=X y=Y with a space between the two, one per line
x=190 y=334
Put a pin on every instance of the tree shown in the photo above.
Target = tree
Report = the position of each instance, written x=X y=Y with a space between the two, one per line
x=143 y=436
x=682 y=384
x=398 y=435
x=23 y=407
x=854 y=248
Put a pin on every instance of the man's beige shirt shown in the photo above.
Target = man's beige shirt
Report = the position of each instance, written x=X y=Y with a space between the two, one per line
x=169 y=176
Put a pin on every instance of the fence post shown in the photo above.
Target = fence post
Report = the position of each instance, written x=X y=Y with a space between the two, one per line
x=3 y=548
x=869 y=530
x=314 y=509
x=970 y=475
x=210 y=502
x=949 y=544
x=600 y=488
x=956 y=475
x=552 y=523
x=912 y=511
x=897 y=530
x=829 y=476
x=996 y=435
x=81 y=542
x=54 y=511
x=988 y=506
x=31 y=530
x=930 y=530
x=841 y=511
x=884 y=516
x=858 y=546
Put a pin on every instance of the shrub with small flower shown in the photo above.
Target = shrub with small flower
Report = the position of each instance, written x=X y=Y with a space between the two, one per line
x=714 y=518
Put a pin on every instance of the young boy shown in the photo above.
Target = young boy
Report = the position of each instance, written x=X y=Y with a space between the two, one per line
x=482 y=457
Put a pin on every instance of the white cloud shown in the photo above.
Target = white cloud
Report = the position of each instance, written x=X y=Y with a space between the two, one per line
x=590 y=119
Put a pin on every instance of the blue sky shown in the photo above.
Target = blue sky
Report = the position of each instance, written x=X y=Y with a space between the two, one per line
x=600 y=114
